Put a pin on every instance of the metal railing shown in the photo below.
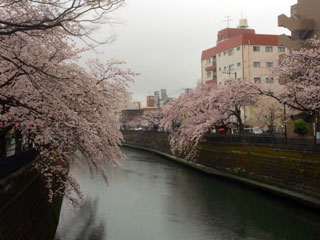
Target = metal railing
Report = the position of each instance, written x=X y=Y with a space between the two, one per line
x=264 y=139
x=9 y=165
x=254 y=139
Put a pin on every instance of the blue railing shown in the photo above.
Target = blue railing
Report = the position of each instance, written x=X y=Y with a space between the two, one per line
x=9 y=165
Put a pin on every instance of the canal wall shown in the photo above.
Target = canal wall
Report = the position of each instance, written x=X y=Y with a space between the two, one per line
x=25 y=213
x=288 y=171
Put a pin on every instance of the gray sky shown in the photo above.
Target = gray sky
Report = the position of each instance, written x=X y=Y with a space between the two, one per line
x=163 y=39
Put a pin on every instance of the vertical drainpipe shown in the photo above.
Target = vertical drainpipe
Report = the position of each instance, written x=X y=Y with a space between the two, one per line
x=242 y=53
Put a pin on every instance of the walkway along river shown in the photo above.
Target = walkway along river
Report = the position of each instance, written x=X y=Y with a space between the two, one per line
x=150 y=198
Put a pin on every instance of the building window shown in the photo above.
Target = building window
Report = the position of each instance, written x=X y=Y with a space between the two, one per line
x=231 y=67
x=269 y=64
x=256 y=64
x=224 y=53
x=219 y=54
x=238 y=48
x=222 y=37
x=269 y=80
x=257 y=80
x=281 y=49
x=209 y=60
x=209 y=74
x=230 y=52
x=269 y=49
x=219 y=69
x=256 y=48
x=224 y=68
x=238 y=64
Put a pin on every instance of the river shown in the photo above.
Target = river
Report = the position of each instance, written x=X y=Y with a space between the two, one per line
x=150 y=198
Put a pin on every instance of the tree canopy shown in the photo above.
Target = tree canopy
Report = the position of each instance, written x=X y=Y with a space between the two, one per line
x=64 y=111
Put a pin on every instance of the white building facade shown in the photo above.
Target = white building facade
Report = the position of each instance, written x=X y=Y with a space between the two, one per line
x=241 y=53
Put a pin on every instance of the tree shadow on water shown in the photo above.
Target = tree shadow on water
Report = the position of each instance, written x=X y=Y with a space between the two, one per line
x=84 y=225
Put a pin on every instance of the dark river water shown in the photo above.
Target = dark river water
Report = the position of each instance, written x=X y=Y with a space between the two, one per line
x=150 y=198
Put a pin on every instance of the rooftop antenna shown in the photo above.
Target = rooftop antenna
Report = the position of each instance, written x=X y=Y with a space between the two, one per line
x=228 y=20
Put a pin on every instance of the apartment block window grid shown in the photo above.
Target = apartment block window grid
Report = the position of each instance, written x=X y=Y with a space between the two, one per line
x=269 y=49
x=269 y=80
x=256 y=64
x=256 y=48
x=269 y=64
x=257 y=80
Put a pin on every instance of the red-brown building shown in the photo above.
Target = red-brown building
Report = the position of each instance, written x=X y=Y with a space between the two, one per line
x=150 y=101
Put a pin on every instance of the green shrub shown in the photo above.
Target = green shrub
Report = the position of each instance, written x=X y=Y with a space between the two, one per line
x=300 y=127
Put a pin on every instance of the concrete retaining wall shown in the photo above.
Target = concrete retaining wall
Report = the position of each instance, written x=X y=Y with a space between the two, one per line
x=293 y=172
x=25 y=212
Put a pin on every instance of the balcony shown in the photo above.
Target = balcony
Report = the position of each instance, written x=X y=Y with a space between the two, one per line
x=295 y=24
x=288 y=42
x=210 y=68
x=211 y=81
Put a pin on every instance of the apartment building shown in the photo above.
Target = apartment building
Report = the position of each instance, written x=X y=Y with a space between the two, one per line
x=303 y=23
x=242 y=54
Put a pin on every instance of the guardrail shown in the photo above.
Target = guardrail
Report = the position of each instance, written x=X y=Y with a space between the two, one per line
x=258 y=139
x=9 y=165
x=262 y=140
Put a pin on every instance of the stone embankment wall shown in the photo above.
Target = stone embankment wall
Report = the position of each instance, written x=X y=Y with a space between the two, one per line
x=25 y=212
x=288 y=167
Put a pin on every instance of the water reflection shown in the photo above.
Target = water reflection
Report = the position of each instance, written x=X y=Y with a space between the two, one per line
x=83 y=224
x=151 y=198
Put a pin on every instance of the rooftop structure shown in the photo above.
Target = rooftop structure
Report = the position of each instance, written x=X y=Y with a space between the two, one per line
x=303 y=23
x=242 y=54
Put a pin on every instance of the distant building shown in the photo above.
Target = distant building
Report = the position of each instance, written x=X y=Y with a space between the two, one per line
x=124 y=103
x=165 y=101
x=135 y=105
x=303 y=23
x=164 y=94
x=132 y=116
x=150 y=101
x=186 y=91
x=157 y=99
x=242 y=54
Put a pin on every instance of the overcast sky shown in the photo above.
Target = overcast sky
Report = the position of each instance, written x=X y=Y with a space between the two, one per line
x=163 y=39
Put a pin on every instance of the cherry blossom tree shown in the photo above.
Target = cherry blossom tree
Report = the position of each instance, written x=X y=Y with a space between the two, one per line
x=64 y=111
x=267 y=113
x=206 y=107
x=300 y=72
x=76 y=17
x=152 y=118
